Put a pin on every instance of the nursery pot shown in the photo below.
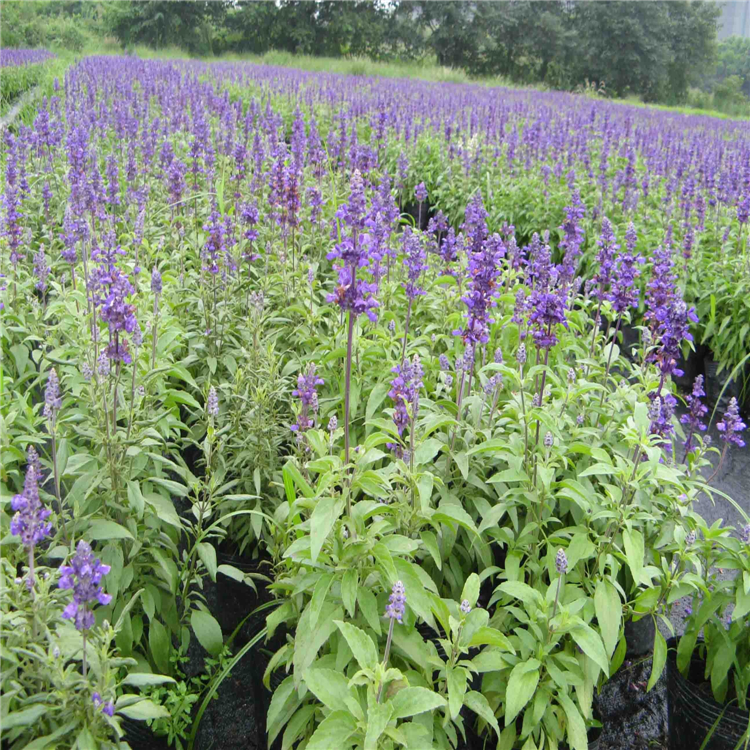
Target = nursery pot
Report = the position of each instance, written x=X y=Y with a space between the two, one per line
x=630 y=339
x=639 y=636
x=715 y=383
x=236 y=599
x=693 y=712
x=140 y=737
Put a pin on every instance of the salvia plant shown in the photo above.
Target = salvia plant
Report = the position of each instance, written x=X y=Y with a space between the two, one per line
x=452 y=440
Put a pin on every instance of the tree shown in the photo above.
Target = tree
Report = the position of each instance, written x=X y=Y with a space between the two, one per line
x=734 y=60
x=161 y=23
x=693 y=44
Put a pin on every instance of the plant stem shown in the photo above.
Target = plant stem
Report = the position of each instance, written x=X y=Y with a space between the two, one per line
x=387 y=653
x=347 y=389
x=84 y=655
x=132 y=396
x=606 y=372
x=155 y=332
x=57 y=484
x=406 y=332
x=554 y=608
x=525 y=423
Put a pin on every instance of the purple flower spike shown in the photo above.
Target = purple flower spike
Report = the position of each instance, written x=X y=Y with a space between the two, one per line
x=106 y=708
x=465 y=607
x=405 y=394
x=353 y=294
x=414 y=260
x=396 y=602
x=608 y=247
x=52 y=399
x=731 y=425
x=694 y=417
x=83 y=575
x=420 y=192
x=306 y=392
x=30 y=521
x=156 y=285
x=212 y=403
x=484 y=272
x=573 y=239
x=561 y=562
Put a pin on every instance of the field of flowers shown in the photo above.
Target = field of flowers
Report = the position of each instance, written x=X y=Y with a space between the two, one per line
x=391 y=365
x=21 y=70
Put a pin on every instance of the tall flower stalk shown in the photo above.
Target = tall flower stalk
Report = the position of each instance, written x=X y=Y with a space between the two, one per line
x=83 y=575
x=30 y=521
x=354 y=296
x=414 y=260
x=156 y=288
x=52 y=404
x=394 y=610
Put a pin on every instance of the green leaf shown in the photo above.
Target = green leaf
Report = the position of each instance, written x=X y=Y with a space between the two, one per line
x=608 y=614
x=319 y=596
x=308 y=641
x=330 y=687
x=481 y=707
x=470 y=591
x=591 y=644
x=598 y=470
x=427 y=451
x=462 y=461
x=158 y=644
x=377 y=396
x=24 y=717
x=742 y=603
x=135 y=498
x=369 y=606
x=144 y=710
x=521 y=687
x=103 y=529
x=322 y=520
x=411 y=701
x=207 y=554
x=521 y=591
x=451 y=514
x=659 y=660
x=634 y=552
x=141 y=679
x=360 y=643
x=297 y=726
x=456 y=680
x=175 y=488
x=334 y=732
x=378 y=716
x=491 y=637
x=207 y=631
x=349 y=591
x=577 y=738
x=430 y=542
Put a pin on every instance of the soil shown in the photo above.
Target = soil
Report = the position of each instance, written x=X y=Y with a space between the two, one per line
x=632 y=718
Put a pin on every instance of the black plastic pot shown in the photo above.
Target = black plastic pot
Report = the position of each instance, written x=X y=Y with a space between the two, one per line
x=237 y=599
x=629 y=338
x=715 y=383
x=691 y=366
x=140 y=737
x=693 y=712
x=639 y=637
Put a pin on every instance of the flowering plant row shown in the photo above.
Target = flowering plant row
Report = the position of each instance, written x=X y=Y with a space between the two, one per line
x=222 y=332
